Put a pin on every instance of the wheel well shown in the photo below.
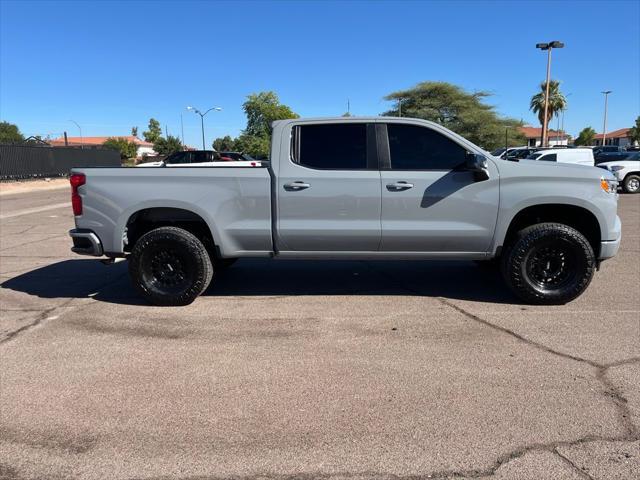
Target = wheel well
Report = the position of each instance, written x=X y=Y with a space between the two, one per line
x=144 y=221
x=576 y=217
x=631 y=173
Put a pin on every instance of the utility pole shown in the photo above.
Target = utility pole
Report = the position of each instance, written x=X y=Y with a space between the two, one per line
x=604 y=126
x=182 y=129
x=545 y=123
x=399 y=107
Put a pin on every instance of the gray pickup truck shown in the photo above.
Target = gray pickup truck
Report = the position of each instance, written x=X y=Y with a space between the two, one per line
x=352 y=188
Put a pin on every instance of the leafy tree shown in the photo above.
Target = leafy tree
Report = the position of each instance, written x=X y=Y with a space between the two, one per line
x=154 y=133
x=634 y=132
x=256 y=146
x=557 y=101
x=10 y=133
x=126 y=148
x=585 y=137
x=347 y=114
x=134 y=131
x=262 y=109
x=224 y=144
x=167 y=146
x=460 y=111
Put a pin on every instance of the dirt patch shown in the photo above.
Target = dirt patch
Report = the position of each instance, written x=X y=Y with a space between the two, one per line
x=22 y=186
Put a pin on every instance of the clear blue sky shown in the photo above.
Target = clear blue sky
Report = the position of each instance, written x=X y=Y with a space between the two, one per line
x=112 y=65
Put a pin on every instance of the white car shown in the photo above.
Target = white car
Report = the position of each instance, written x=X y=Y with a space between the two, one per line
x=579 y=156
x=626 y=171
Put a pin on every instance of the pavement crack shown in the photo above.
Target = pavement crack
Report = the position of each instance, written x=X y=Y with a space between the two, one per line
x=521 y=338
x=572 y=465
x=43 y=315
x=609 y=389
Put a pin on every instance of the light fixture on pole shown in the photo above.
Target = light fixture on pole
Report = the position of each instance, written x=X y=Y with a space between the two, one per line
x=195 y=110
x=81 y=138
x=604 y=126
x=545 y=124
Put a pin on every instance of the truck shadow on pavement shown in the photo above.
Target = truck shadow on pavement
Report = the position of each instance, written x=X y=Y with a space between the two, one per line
x=264 y=277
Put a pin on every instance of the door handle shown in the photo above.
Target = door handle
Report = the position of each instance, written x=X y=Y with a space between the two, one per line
x=296 y=186
x=399 y=186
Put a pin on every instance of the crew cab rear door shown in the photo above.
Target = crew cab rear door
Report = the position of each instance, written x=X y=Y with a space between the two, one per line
x=430 y=202
x=328 y=189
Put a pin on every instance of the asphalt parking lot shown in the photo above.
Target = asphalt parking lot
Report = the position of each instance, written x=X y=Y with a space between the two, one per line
x=282 y=370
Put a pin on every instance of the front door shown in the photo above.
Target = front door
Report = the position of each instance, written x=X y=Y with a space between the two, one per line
x=329 y=189
x=429 y=202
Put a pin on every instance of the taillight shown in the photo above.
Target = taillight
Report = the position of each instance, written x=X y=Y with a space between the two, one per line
x=76 y=180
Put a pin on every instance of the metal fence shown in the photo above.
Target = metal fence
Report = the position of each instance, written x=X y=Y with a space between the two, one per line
x=22 y=161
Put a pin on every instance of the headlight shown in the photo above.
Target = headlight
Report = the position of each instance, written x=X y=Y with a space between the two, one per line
x=615 y=168
x=609 y=186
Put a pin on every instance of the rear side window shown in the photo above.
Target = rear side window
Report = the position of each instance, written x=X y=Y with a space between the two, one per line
x=551 y=157
x=340 y=146
x=418 y=148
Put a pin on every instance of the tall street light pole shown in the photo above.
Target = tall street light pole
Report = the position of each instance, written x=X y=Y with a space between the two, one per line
x=545 y=124
x=81 y=138
x=604 y=126
x=195 y=110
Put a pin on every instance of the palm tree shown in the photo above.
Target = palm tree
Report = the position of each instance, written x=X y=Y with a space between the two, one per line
x=557 y=101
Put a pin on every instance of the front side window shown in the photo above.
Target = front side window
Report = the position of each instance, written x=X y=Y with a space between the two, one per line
x=341 y=146
x=550 y=157
x=418 y=148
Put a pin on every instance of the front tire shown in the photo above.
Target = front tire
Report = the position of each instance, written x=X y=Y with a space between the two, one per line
x=170 y=266
x=631 y=183
x=548 y=264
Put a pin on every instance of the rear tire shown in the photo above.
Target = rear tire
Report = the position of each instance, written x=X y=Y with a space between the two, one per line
x=631 y=183
x=548 y=264
x=170 y=266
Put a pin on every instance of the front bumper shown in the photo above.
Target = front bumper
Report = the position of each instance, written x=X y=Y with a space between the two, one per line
x=85 y=242
x=609 y=248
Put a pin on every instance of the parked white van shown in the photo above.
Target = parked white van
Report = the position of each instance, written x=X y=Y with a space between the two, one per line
x=580 y=156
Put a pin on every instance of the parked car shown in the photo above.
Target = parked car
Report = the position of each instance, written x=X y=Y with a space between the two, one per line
x=627 y=171
x=196 y=158
x=520 y=153
x=604 y=157
x=578 y=156
x=360 y=188
x=602 y=153
x=235 y=157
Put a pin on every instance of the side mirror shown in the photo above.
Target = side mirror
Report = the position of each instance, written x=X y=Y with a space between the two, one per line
x=477 y=164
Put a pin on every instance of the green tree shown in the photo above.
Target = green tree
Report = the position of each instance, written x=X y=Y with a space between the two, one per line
x=585 y=137
x=167 y=146
x=256 y=146
x=634 y=132
x=262 y=109
x=557 y=101
x=134 y=131
x=10 y=133
x=126 y=148
x=224 y=144
x=454 y=108
x=154 y=133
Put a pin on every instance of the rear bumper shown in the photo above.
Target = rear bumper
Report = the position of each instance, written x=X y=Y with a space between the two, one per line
x=609 y=248
x=85 y=242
